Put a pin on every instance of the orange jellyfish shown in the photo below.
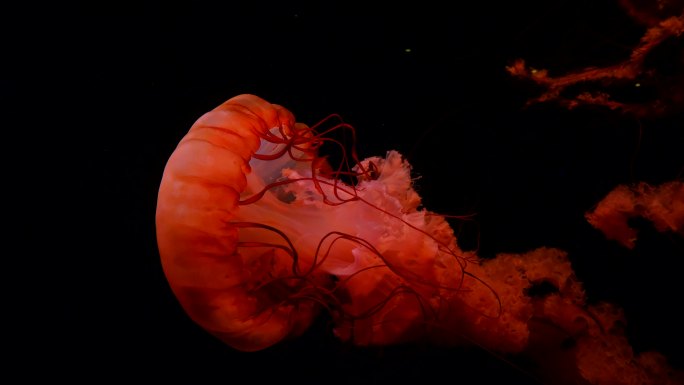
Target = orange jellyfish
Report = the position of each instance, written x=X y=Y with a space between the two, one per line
x=258 y=234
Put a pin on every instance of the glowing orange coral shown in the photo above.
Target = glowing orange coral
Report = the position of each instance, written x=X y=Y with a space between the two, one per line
x=663 y=205
x=670 y=98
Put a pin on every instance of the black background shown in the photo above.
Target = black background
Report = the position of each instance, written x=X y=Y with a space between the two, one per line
x=118 y=86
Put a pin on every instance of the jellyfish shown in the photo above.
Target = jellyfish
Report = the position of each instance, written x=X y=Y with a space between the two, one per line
x=258 y=234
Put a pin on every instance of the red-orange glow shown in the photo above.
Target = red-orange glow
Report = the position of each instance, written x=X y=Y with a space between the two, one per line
x=257 y=235
x=633 y=69
x=663 y=205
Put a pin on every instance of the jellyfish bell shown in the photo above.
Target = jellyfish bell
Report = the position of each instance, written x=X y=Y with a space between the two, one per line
x=222 y=288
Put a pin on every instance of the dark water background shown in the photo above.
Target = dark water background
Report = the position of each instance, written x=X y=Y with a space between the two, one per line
x=126 y=81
